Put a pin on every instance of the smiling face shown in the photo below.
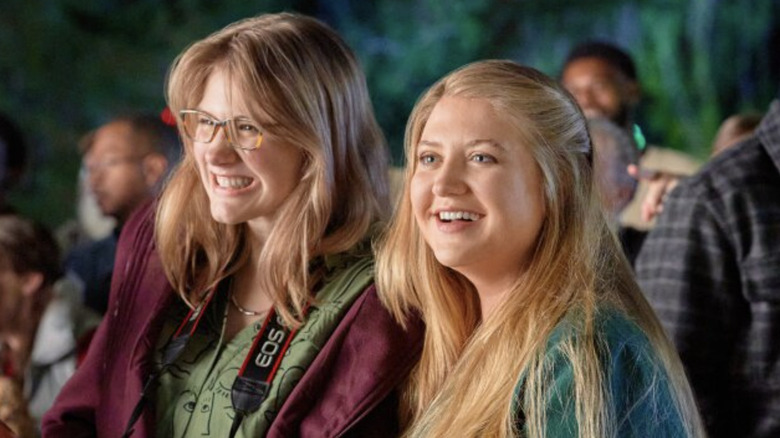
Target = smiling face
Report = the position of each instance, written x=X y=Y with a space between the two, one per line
x=476 y=193
x=600 y=89
x=243 y=186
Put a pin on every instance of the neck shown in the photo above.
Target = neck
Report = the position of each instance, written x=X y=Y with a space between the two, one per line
x=491 y=294
x=489 y=302
x=258 y=231
x=492 y=285
x=247 y=292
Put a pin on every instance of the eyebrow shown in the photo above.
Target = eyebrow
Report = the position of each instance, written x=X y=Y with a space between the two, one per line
x=479 y=141
x=238 y=117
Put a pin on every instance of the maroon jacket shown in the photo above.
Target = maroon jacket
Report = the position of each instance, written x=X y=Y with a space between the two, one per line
x=349 y=390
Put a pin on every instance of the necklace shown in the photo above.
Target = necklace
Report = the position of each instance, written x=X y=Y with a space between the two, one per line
x=241 y=309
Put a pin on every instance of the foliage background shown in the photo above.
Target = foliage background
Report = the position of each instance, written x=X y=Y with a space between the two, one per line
x=66 y=66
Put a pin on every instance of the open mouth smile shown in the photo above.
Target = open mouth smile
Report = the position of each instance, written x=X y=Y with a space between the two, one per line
x=450 y=216
x=232 y=182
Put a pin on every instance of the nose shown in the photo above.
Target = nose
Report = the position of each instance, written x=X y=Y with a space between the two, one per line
x=449 y=179
x=219 y=149
x=584 y=98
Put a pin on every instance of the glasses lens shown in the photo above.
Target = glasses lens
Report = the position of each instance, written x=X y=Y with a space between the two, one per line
x=246 y=134
x=198 y=126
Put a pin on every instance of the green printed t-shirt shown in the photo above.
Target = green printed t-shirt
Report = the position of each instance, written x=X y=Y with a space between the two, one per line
x=193 y=398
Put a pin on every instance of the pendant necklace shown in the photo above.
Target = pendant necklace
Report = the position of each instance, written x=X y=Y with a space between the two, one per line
x=238 y=307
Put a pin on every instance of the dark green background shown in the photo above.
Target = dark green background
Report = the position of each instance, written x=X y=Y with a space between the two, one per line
x=67 y=66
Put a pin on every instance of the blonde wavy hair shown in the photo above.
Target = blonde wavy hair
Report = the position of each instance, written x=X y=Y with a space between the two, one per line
x=464 y=383
x=301 y=73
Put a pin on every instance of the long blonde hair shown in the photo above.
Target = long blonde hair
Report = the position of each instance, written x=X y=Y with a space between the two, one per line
x=302 y=74
x=464 y=383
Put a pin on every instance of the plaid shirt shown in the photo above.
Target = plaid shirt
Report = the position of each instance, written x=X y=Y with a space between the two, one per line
x=711 y=270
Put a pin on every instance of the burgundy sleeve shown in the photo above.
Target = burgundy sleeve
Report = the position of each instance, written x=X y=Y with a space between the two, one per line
x=74 y=413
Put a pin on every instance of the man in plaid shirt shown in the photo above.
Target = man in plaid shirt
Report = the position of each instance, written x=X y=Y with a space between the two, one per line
x=711 y=270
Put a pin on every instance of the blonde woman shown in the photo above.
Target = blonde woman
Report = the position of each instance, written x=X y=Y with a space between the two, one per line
x=535 y=326
x=252 y=311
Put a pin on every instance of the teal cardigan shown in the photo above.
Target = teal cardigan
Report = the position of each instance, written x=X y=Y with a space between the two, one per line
x=638 y=384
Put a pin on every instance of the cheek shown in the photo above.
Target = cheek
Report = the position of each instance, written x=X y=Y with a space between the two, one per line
x=198 y=164
x=276 y=160
x=119 y=181
x=525 y=201
x=609 y=99
x=419 y=194
x=197 y=155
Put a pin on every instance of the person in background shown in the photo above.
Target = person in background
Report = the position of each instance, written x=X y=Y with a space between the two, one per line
x=614 y=150
x=43 y=327
x=126 y=161
x=733 y=130
x=534 y=323
x=730 y=133
x=603 y=79
x=261 y=239
x=710 y=269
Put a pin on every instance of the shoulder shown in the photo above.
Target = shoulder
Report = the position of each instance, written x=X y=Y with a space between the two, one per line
x=629 y=359
x=360 y=365
x=139 y=227
x=346 y=276
x=139 y=286
x=721 y=200
x=136 y=253
x=638 y=385
x=635 y=382
x=733 y=196
x=622 y=346
x=745 y=164
x=615 y=335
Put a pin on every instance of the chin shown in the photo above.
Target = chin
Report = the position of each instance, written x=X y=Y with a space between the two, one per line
x=449 y=260
x=225 y=218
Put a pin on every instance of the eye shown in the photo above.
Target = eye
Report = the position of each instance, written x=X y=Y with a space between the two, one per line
x=206 y=121
x=482 y=158
x=247 y=127
x=427 y=159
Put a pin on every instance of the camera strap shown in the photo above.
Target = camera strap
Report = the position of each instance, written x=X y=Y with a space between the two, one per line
x=172 y=351
x=253 y=383
x=254 y=379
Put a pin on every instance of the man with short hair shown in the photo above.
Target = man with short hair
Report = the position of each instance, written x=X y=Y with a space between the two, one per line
x=604 y=81
x=126 y=161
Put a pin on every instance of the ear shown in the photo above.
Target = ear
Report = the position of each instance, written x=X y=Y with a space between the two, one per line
x=154 y=167
x=31 y=283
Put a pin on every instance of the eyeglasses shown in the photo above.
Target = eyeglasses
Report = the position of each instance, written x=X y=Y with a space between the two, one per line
x=242 y=133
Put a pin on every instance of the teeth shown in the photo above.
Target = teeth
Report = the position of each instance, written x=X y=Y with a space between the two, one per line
x=458 y=215
x=234 y=182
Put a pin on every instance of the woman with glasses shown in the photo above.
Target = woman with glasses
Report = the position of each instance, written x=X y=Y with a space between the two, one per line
x=245 y=306
x=534 y=324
